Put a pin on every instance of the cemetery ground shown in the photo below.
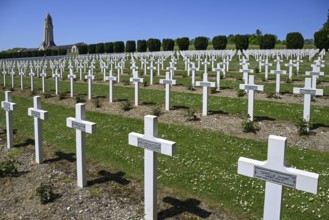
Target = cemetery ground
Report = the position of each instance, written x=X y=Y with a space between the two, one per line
x=205 y=167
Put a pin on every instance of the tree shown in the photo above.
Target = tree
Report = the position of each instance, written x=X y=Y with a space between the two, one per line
x=183 y=43
x=294 y=40
x=153 y=44
x=231 y=39
x=168 y=44
x=82 y=48
x=241 y=42
x=91 y=48
x=326 y=24
x=201 y=43
x=141 y=46
x=108 y=47
x=321 y=39
x=119 y=47
x=100 y=48
x=267 y=41
x=130 y=46
x=219 y=42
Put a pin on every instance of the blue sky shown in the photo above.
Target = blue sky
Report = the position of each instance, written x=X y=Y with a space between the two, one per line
x=94 y=21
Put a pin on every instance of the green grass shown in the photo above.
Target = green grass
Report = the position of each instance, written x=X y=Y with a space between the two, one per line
x=205 y=166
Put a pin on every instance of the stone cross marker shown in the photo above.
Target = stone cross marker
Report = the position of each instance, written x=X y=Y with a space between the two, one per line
x=266 y=64
x=136 y=80
x=278 y=73
x=22 y=74
x=193 y=69
x=251 y=88
x=9 y=106
x=277 y=175
x=290 y=65
x=71 y=76
x=205 y=84
x=90 y=78
x=12 y=73
x=168 y=82
x=308 y=90
x=151 y=68
x=38 y=115
x=82 y=127
x=110 y=78
x=32 y=79
x=218 y=70
x=56 y=76
x=315 y=74
x=152 y=145
x=171 y=69
x=4 y=77
x=43 y=77
x=245 y=72
x=297 y=64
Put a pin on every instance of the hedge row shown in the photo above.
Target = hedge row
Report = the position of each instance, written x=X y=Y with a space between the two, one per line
x=32 y=53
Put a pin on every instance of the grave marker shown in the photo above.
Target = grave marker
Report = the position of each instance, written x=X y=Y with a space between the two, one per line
x=38 y=115
x=152 y=145
x=136 y=80
x=151 y=68
x=110 y=78
x=71 y=76
x=251 y=88
x=81 y=126
x=32 y=79
x=278 y=73
x=12 y=73
x=218 y=70
x=290 y=65
x=315 y=74
x=56 y=76
x=205 y=84
x=43 y=76
x=168 y=82
x=22 y=74
x=90 y=78
x=266 y=64
x=277 y=175
x=9 y=106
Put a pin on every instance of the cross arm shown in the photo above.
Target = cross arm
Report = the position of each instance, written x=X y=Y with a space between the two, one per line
x=37 y=113
x=306 y=181
x=82 y=125
x=155 y=144
x=252 y=87
x=8 y=106
x=205 y=84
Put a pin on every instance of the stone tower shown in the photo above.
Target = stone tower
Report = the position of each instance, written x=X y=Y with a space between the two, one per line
x=48 y=35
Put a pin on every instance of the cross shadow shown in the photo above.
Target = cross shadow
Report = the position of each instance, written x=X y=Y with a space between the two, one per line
x=27 y=142
x=179 y=207
x=107 y=177
x=120 y=100
x=263 y=118
x=99 y=97
x=62 y=156
x=217 y=112
x=148 y=103
x=176 y=107
x=4 y=131
x=319 y=125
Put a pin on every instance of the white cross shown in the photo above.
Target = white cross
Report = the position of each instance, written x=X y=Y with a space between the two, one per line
x=218 y=70
x=12 y=73
x=168 y=82
x=290 y=65
x=81 y=126
x=38 y=115
x=297 y=64
x=199 y=60
x=71 y=76
x=171 y=69
x=56 y=76
x=152 y=145
x=205 y=63
x=278 y=73
x=315 y=74
x=22 y=74
x=90 y=78
x=133 y=67
x=260 y=63
x=4 y=77
x=151 y=68
x=110 y=78
x=277 y=175
x=245 y=72
x=205 y=84
x=9 y=106
x=308 y=90
x=266 y=64
x=213 y=59
x=158 y=65
x=80 y=69
x=120 y=70
x=144 y=62
x=135 y=79
x=32 y=79
x=193 y=69
x=251 y=88
x=43 y=76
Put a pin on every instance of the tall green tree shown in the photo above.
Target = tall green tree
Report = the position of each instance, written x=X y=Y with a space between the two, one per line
x=326 y=24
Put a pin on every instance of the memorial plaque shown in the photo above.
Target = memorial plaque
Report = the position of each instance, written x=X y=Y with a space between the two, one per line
x=35 y=114
x=6 y=106
x=149 y=145
x=307 y=91
x=136 y=80
x=165 y=81
x=247 y=87
x=90 y=77
x=111 y=78
x=314 y=73
x=275 y=177
x=79 y=126
x=205 y=84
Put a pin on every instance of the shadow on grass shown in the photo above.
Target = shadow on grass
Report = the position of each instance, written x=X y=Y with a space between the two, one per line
x=107 y=177
x=263 y=118
x=148 y=103
x=319 y=125
x=120 y=100
x=26 y=143
x=177 y=107
x=217 y=112
x=179 y=207
x=62 y=156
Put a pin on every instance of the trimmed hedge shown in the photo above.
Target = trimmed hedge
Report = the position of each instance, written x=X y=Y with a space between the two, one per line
x=82 y=48
x=219 y=42
x=201 y=43
x=141 y=46
x=183 y=43
x=130 y=46
x=267 y=41
x=294 y=40
x=153 y=44
x=108 y=47
x=168 y=44
x=118 y=47
x=100 y=48
x=92 y=48
x=321 y=39
x=241 y=42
